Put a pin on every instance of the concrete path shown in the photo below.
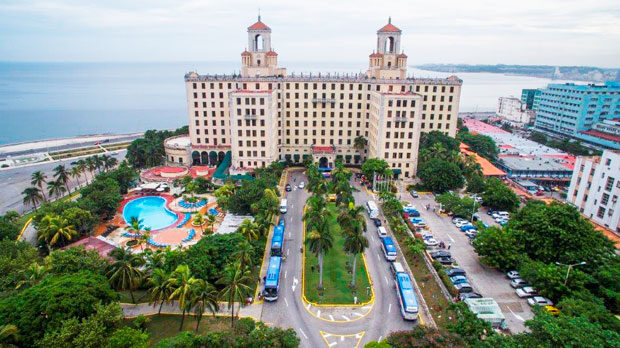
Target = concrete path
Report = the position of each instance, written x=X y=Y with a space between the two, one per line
x=133 y=310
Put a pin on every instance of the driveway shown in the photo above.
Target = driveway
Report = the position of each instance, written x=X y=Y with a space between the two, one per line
x=486 y=281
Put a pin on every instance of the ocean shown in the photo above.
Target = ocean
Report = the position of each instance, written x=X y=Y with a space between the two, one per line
x=53 y=100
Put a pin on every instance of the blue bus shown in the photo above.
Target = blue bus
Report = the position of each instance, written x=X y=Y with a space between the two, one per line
x=406 y=297
x=389 y=249
x=277 y=241
x=272 y=280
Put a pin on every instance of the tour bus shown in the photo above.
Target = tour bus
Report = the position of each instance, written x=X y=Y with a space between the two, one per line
x=277 y=241
x=406 y=297
x=272 y=280
x=371 y=208
x=389 y=249
x=283 y=206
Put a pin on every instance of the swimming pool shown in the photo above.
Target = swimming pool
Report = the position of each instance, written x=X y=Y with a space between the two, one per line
x=151 y=210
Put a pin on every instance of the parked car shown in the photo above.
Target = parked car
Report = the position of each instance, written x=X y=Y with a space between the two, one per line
x=332 y=198
x=431 y=242
x=302 y=185
x=539 y=301
x=478 y=199
x=518 y=283
x=463 y=288
x=526 y=291
x=445 y=260
x=457 y=219
x=462 y=223
x=427 y=236
x=467 y=227
x=288 y=188
x=414 y=213
x=414 y=194
x=476 y=217
x=491 y=212
x=552 y=310
x=409 y=207
x=377 y=222
x=471 y=233
x=458 y=279
x=466 y=295
x=440 y=253
x=455 y=271
x=512 y=275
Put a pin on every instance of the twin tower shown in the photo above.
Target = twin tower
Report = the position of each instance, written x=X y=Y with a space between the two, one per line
x=260 y=60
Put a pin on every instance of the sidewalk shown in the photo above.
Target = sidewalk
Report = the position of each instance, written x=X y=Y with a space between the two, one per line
x=133 y=310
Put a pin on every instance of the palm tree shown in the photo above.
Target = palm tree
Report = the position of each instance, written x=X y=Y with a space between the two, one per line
x=204 y=296
x=90 y=165
x=182 y=282
x=8 y=335
x=355 y=243
x=319 y=241
x=249 y=230
x=244 y=253
x=38 y=179
x=236 y=282
x=55 y=188
x=32 y=196
x=351 y=215
x=144 y=238
x=81 y=165
x=62 y=176
x=54 y=230
x=199 y=220
x=154 y=259
x=159 y=287
x=97 y=162
x=359 y=143
x=75 y=174
x=124 y=273
x=316 y=210
x=211 y=221
x=32 y=275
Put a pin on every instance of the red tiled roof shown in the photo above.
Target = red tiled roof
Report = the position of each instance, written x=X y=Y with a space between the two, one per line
x=245 y=53
x=259 y=26
x=602 y=135
x=402 y=55
x=376 y=55
x=389 y=28
x=271 y=53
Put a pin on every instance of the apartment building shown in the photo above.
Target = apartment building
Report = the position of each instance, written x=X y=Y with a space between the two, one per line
x=264 y=114
x=511 y=109
x=595 y=188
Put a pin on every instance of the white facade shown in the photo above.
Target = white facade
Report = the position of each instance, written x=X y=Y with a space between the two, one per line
x=595 y=188
x=513 y=110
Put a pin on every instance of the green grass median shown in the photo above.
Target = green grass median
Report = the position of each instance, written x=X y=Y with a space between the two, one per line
x=336 y=272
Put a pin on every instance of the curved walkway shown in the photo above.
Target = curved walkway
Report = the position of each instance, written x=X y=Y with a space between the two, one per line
x=131 y=310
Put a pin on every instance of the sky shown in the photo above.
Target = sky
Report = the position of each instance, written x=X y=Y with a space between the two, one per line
x=549 y=32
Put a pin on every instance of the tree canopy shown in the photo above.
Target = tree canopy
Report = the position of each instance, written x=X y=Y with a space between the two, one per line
x=498 y=195
x=148 y=151
x=440 y=175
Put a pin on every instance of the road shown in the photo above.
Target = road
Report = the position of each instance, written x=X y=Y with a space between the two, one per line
x=486 y=281
x=289 y=310
x=14 y=180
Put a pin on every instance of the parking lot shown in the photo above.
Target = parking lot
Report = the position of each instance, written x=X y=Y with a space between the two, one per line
x=484 y=280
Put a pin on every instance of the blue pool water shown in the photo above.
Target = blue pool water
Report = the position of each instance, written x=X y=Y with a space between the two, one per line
x=151 y=210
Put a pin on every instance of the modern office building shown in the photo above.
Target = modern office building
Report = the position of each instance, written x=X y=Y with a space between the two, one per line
x=531 y=98
x=595 y=188
x=573 y=111
x=264 y=114
x=512 y=110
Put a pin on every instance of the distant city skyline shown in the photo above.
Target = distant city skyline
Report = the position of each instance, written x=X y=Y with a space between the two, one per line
x=473 y=32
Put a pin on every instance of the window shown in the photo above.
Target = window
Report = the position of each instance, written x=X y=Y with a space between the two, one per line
x=609 y=184
x=601 y=212
x=605 y=199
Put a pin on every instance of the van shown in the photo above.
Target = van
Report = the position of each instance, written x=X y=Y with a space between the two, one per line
x=396 y=267
x=283 y=206
x=381 y=231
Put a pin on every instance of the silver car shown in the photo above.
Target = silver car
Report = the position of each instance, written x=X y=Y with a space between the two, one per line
x=539 y=301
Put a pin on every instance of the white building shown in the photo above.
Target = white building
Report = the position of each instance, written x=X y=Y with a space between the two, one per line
x=595 y=188
x=513 y=110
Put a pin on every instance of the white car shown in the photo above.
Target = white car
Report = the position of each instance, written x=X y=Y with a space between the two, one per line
x=525 y=292
x=431 y=242
x=539 y=301
x=500 y=219
x=419 y=224
x=302 y=185
x=512 y=275
x=518 y=283
x=409 y=207
x=478 y=199
x=462 y=223
x=457 y=220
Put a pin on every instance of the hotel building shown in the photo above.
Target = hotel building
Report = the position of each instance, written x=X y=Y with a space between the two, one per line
x=264 y=114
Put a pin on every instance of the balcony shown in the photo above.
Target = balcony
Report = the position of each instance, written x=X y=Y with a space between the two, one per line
x=400 y=119
x=249 y=117
x=324 y=100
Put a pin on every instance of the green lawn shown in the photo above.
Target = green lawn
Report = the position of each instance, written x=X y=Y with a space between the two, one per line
x=336 y=272
x=164 y=326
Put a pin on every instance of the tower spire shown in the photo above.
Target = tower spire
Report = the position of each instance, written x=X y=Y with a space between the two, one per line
x=389 y=19
x=259 y=14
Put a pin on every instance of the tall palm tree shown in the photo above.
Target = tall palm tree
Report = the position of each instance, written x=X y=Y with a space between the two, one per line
x=236 y=282
x=182 y=282
x=62 y=176
x=144 y=237
x=200 y=220
x=81 y=166
x=98 y=162
x=124 y=273
x=244 y=253
x=8 y=336
x=160 y=287
x=38 y=179
x=249 y=230
x=90 y=165
x=204 y=296
x=154 y=259
x=54 y=230
x=359 y=143
x=349 y=216
x=32 y=275
x=75 y=174
x=55 y=188
x=355 y=243
x=319 y=241
x=211 y=221
x=32 y=196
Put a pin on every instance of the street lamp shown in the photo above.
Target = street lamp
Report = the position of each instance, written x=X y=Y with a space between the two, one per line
x=569 y=268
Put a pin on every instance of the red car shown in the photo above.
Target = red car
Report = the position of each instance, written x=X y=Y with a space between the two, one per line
x=540 y=193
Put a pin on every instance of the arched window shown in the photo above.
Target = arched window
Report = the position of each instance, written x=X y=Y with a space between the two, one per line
x=259 y=42
x=389 y=45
